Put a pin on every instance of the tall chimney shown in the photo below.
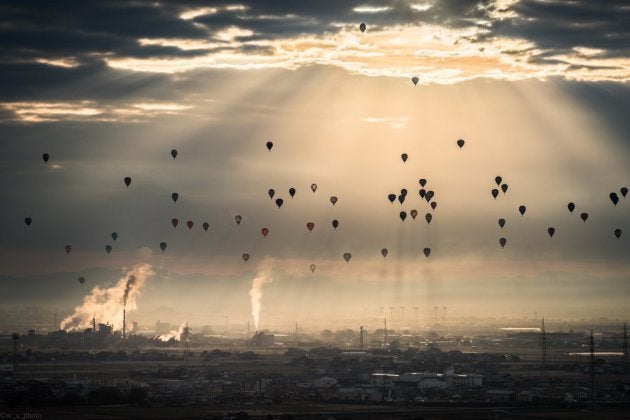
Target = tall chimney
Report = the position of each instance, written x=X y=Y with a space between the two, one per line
x=124 y=323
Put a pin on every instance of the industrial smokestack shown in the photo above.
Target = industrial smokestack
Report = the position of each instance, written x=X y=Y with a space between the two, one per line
x=124 y=323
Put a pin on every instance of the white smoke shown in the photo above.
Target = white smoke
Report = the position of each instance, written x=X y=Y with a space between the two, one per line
x=174 y=334
x=263 y=277
x=106 y=305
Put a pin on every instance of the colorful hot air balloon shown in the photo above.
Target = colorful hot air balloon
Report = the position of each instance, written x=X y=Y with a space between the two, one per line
x=551 y=231
x=114 y=236
x=127 y=181
x=494 y=193
x=584 y=216
x=279 y=202
x=426 y=252
x=403 y=215
x=245 y=257
x=614 y=198
x=413 y=213
x=68 y=248
x=404 y=157
x=174 y=196
x=291 y=192
x=415 y=80
x=502 y=242
x=238 y=219
x=362 y=27
x=501 y=222
x=333 y=200
x=206 y=226
x=189 y=224
x=571 y=207
x=174 y=153
x=384 y=252
x=108 y=248
x=313 y=187
x=310 y=226
x=617 y=233
x=522 y=209
x=28 y=221
x=163 y=246
x=428 y=217
x=461 y=143
x=312 y=267
x=264 y=232
x=271 y=193
x=269 y=145
x=174 y=222
x=45 y=156
x=391 y=198
x=347 y=256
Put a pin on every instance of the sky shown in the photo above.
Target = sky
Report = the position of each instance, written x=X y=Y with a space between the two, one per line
x=538 y=90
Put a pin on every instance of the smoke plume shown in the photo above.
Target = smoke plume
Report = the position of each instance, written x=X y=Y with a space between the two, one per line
x=106 y=305
x=263 y=276
x=174 y=334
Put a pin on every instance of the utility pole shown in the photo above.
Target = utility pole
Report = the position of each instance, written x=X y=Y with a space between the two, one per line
x=543 y=356
x=361 y=338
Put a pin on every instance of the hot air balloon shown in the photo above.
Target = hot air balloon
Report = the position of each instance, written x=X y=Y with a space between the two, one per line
x=174 y=222
x=415 y=80
x=189 y=224
x=495 y=192
x=422 y=182
x=45 y=156
x=498 y=180
x=347 y=256
x=271 y=193
x=127 y=181
x=422 y=193
x=614 y=198
x=391 y=198
x=314 y=187
x=429 y=195
x=401 y=198
x=403 y=215
x=413 y=214
x=28 y=221
x=269 y=145
x=245 y=257
x=551 y=231
x=504 y=188
x=163 y=246
x=433 y=205
x=404 y=157
x=426 y=252
x=362 y=27
x=624 y=191
x=68 y=248
x=428 y=217
x=174 y=196
x=108 y=249
x=501 y=222
x=461 y=143
x=522 y=209
x=81 y=279
x=571 y=207
x=403 y=192
x=502 y=242
x=279 y=202
x=174 y=153
x=584 y=216
x=617 y=233
x=384 y=252
x=335 y=223
x=114 y=236
x=312 y=267
x=333 y=200
x=291 y=192
x=310 y=226
x=238 y=219
x=206 y=226
x=264 y=232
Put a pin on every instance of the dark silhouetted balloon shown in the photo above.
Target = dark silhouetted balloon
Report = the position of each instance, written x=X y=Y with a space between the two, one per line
x=429 y=195
x=271 y=193
x=422 y=192
x=347 y=256
x=114 y=236
x=617 y=233
x=551 y=231
x=498 y=180
x=174 y=196
x=68 y=248
x=415 y=80
x=206 y=226
x=584 y=216
x=362 y=27
x=428 y=217
x=624 y=191
x=422 y=182
x=614 y=198
x=571 y=207
x=391 y=198
x=504 y=188
x=127 y=181
x=291 y=192
x=522 y=210
x=279 y=202
x=163 y=246
x=174 y=222
x=335 y=223
x=28 y=221
x=502 y=242
x=45 y=156
x=403 y=215
x=108 y=249
x=401 y=198
x=384 y=252
x=313 y=187
x=269 y=145
x=433 y=205
x=310 y=226
x=238 y=219
x=404 y=157
x=495 y=192
x=461 y=143
x=245 y=257
x=264 y=232
x=174 y=153
x=81 y=279
x=413 y=214
x=403 y=192
x=189 y=224
x=501 y=222
x=333 y=200
x=312 y=267
x=426 y=252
